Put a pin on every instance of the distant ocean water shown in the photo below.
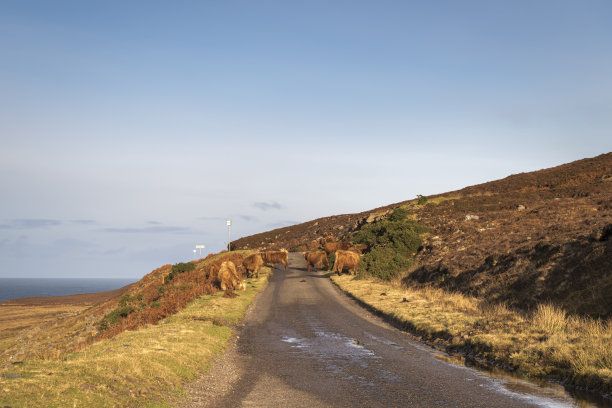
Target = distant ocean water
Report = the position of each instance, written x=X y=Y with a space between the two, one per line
x=15 y=288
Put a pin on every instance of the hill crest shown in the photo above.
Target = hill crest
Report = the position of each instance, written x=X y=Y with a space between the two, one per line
x=534 y=237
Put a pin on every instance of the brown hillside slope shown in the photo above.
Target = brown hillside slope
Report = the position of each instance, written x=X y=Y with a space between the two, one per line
x=529 y=238
x=40 y=328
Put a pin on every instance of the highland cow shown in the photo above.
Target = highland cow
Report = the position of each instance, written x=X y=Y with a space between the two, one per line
x=331 y=247
x=346 y=260
x=228 y=277
x=358 y=248
x=273 y=257
x=316 y=259
x=251 y=264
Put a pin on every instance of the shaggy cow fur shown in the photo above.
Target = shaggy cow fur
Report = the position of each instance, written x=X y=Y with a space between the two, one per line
x=346 y=260
x=358 y=248
x=228 y=277
x=213 y=272
x=251 y=264
x=316 y=259
x=335 y=246
x=274 y=257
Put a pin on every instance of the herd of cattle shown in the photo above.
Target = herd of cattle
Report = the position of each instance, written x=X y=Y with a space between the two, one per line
x=229 y=275
x=347 y=256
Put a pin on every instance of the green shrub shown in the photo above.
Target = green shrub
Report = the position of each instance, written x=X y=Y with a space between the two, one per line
x=331 y=258
x=384 y=262
x=113 y=317
x=391 y=242
x=399 y=214
x=183 y=267
x=179 y=268
x=421 y=199
x=125 y=299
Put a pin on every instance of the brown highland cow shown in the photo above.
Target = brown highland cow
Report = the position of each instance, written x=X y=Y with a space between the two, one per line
x=274 y=257
x=251 y=264
x=346 y=260
x=316 y=259
x=228 y=277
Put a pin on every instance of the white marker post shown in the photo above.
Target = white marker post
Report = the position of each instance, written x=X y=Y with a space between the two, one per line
x=200 y=247
x=194 y=252
x=229 y=224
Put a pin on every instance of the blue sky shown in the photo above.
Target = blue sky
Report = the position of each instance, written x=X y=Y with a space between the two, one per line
x=130 y=131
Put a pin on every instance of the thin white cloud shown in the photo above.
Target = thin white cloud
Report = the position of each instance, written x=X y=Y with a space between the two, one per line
x=28 y=223
x=267 y=205
x=83 y=222
x=248 y=218
x=151 y=230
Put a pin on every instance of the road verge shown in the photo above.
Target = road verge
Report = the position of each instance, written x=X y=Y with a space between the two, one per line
x=146 y=367
x=545 y=344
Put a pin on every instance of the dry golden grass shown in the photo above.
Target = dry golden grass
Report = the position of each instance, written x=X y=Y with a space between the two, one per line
x=43 y=331
x=547 y=343
x=146 y=367
x=41 y=328
x=550 y=319
x=14 y=318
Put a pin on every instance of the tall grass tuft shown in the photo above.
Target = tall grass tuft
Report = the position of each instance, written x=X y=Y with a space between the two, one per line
x=550 y=319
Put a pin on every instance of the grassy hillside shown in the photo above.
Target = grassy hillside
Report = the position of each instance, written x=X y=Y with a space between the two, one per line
x=142 y=358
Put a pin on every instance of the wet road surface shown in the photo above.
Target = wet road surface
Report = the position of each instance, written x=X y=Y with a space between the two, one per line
x=305 y=344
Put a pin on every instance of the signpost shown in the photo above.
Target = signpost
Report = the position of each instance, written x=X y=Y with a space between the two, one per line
x=200 y=247
x=229 y=224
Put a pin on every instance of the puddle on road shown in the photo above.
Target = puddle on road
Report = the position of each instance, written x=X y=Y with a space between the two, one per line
x=331 y=345
x=338 y=352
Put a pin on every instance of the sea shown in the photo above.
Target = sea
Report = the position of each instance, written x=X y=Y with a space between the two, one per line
x=15 y=288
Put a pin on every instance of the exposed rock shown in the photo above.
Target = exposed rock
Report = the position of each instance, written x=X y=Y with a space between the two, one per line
x=520 y=207
x=371 y=218
x=470 y=217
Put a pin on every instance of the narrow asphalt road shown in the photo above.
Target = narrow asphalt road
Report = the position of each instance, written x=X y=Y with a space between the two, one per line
x=305 y=344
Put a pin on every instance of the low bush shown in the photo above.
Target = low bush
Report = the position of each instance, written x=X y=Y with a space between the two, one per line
x=331 y=258
x=125 y=299
x=392 y=242
x=183 y=267
x=113 y=317
x=384 y=262
x=180 y=267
